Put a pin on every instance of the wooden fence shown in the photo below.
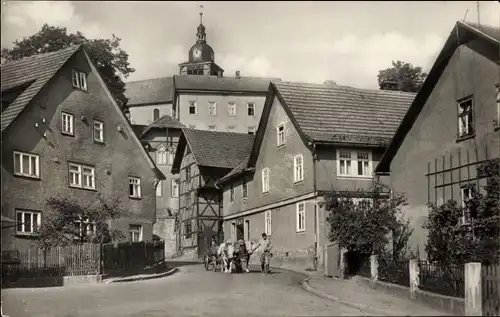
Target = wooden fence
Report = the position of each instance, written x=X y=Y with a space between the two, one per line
x=490 y=284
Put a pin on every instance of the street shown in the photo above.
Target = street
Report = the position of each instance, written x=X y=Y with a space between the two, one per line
x=190 y=292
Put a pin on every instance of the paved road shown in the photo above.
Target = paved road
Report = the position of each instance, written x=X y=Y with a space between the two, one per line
x=190 y=292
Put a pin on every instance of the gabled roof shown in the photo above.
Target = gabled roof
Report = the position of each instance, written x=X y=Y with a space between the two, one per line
x=39 y=69
x=237 y=171
x=461 y=34
x=162 y=123
x=213 y=149
x=150 y=91
x=186 y=83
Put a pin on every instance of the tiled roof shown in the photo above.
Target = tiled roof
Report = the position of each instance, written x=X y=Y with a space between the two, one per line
x=138 y=128
x=491 y=31
x=38 y=68
x=149 y=91
x=218 y=149
x=237 y=170
x=327 y=113
x=214 y=83
x=164 y=122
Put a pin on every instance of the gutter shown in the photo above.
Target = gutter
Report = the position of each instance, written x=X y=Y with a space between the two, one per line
x=316 y=211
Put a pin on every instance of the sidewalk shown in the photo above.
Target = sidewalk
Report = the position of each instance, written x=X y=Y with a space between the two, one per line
x=354 y=293
x=167 y=272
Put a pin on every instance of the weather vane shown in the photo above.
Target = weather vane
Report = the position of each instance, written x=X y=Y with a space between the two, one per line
x=201 y=14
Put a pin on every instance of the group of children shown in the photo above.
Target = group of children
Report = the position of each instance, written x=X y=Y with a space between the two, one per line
x=240 y=251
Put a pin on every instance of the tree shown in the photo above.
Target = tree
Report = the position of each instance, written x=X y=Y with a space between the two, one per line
x=401 y=76
x=111 y=61
x=450 y=241
x=73 y=223
x=364 y=227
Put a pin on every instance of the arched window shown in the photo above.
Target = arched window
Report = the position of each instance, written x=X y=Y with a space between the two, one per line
x=156 y=114
x=161 y=155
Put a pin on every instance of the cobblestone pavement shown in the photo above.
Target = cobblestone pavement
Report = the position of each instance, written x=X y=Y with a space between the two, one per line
x=190 y=292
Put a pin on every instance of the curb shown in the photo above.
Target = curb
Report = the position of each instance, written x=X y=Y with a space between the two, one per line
x=146 y=277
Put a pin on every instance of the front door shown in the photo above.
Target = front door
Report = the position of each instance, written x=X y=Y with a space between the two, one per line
x=240 y=230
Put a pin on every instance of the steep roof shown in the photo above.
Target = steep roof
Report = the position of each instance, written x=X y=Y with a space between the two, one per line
x=331 y=113
x=149 y=91
x=39 y=69
x=462 y=33
x=213 y=148
x=162 y=123
x=222 y=84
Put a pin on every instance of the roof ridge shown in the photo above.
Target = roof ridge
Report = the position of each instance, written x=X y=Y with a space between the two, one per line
x=156 y=78
x=328 y=87
x=41 y=55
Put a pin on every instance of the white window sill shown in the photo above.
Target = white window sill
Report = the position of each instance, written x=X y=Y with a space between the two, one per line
x=27 y=234
x=301 y=231
x=298 y=182
x=81 y=187
x=135 y=197
x=26 y=176
x=354 y=177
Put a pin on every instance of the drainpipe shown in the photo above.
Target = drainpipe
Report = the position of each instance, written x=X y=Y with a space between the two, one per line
x=316 y=211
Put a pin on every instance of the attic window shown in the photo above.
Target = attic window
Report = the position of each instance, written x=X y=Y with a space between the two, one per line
x=280 y=131
x=79 y=80
x=465 y=117
x=192 y=107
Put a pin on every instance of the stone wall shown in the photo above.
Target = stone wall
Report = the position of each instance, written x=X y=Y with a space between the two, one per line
x=165 y=229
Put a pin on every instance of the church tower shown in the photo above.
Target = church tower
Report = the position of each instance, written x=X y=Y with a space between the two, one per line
x=201 y=60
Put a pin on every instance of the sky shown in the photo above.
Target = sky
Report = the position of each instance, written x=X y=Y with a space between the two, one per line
x=348 y=42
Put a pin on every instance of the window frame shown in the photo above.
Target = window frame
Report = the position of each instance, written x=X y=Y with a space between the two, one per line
x=131 y=180
x=81 y=176
x=469 y=190
x=81 y=79
x=231 y=105
x=131 y=232
x=210 y=112
x=101 y=131
x=268 y=222
x=23 y=224
x=470 y=126
x=231 y=192
x=251 y=108
x=301 y=215
x=354 y=163
x=71 y=124
x=231 y=129
x=251 y=130
x=244 y=188
x=281 y=134
x=161 y=155
x=88 y=223
x=188 y=225
x=266 y=176
x=174 y=185
x=156 y=114
x=30 y=156
x=193 y=104
x=298 y=177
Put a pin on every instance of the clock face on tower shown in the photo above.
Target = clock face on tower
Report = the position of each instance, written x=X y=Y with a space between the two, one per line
x=196 y=53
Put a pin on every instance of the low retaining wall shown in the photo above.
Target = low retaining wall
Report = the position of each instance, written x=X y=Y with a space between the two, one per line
x=449 y=304
x=56 y=281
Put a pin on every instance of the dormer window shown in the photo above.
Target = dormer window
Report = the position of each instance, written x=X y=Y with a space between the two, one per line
x=79 y=80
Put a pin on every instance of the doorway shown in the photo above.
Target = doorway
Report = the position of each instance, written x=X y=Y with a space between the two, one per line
x=240 y=230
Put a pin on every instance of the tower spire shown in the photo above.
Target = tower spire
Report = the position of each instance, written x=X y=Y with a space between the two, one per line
x=201 y=14
x=201 y=36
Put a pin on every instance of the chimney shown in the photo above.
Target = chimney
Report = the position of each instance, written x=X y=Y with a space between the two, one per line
x=237 y=74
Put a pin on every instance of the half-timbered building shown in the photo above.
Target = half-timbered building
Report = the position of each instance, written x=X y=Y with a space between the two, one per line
x=202 y=158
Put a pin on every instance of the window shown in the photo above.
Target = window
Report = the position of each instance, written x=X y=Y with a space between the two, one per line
x=90 y=227
x=26 y=164
x=135 y=232
x=265 y=179
x=192 y=107
x=231 y=193
x=98 y=131
x=467 y=193
x=175 y=189
x=188 y=229
x=280 y=130
x=231 y=109
x=465 y=118
x=301 y=217
x=231 y=128
x=251 y=109
x=212 y=108
x=244 y=188
x=212 y=128
x=251 y=130
x=247 y=228
x=27 y=221
x=170 y=158
x=188 y=173
x=298 y=169
x=79 y=80
x=354 y=163
x=161 y=155
x=134 y=187
x=192 y=126
x=67 y=123
x=268 y=223
x=156 y=114
x=81 y=176
x=159 y=190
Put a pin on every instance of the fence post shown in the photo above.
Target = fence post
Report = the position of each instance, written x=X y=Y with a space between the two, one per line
x=414 y=277
x=473 y=296
x=343 y=264
x=373 y=268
